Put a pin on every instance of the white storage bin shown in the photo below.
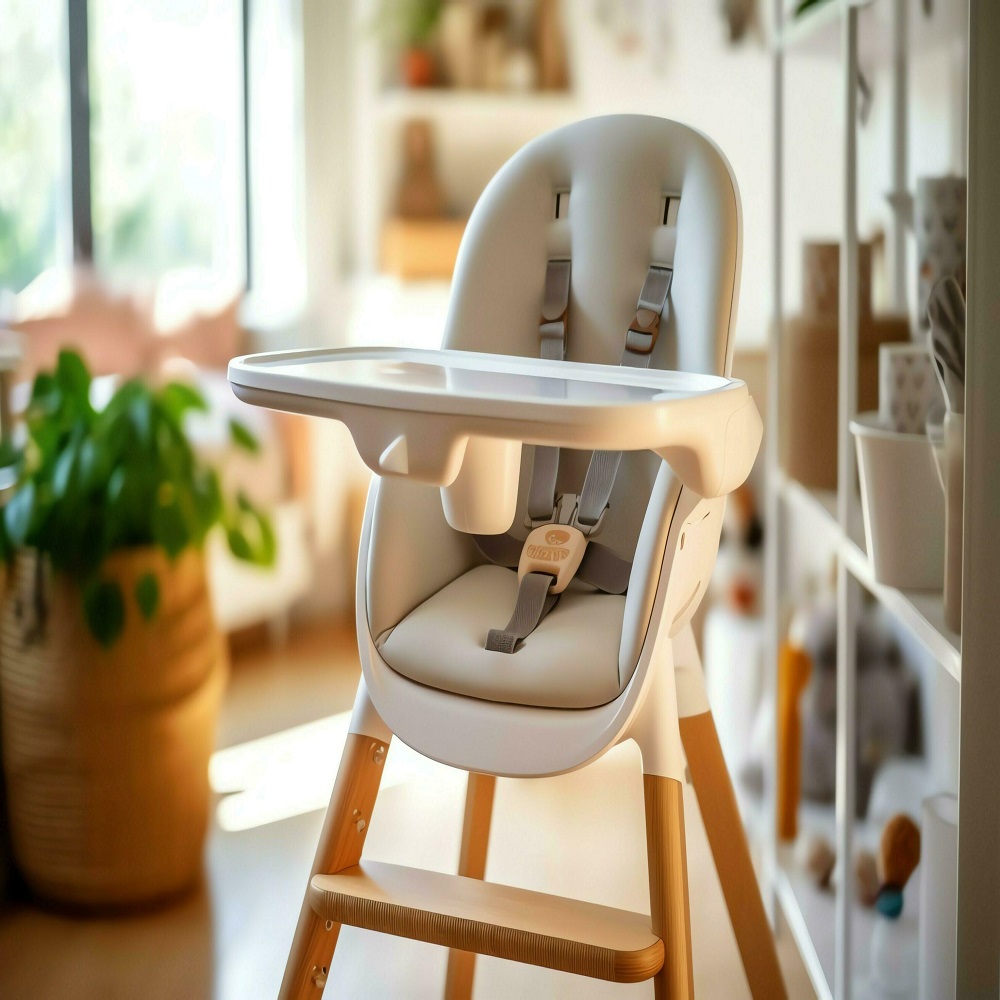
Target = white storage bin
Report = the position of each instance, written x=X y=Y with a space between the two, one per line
x=902 y=504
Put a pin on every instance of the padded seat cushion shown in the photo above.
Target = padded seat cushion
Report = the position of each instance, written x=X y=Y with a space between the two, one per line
x=569 y=661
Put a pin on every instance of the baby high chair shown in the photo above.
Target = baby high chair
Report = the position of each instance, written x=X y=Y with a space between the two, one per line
x=602 y=257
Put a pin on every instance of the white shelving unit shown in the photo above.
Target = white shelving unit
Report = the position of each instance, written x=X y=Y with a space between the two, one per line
x=830 y=930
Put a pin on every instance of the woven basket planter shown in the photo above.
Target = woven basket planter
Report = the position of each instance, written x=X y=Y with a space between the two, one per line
x=106 y=750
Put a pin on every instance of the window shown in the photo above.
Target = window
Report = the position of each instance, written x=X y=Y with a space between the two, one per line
x=138 y=159
x=34 y=140
x=167 y=138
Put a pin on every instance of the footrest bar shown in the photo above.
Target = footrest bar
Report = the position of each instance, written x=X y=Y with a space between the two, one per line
x=490 y=919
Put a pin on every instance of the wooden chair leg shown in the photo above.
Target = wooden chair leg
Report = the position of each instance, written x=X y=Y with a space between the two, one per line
x=727 y=840
x=472 y=864
x=668 y=885
x=340 y=844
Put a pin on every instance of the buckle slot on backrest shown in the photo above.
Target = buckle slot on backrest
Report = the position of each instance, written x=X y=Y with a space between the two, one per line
x=560 y=206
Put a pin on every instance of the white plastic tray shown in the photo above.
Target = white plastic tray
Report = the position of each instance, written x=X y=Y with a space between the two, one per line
x=432 y=415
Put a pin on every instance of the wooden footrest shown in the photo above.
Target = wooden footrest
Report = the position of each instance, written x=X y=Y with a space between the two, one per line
x=490 y=919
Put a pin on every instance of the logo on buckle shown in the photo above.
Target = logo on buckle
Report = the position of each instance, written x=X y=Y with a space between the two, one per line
x=557 y=537
x=547 y=553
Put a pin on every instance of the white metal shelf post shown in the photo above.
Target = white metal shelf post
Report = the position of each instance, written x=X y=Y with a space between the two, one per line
x=773 y=561
x=848 y=598
x=899 y=199
x=979 y=794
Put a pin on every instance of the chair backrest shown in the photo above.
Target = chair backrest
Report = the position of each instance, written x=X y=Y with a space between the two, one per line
x=617 y=171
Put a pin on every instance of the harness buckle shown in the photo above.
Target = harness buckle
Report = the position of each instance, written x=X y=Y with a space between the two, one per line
x=555 y=550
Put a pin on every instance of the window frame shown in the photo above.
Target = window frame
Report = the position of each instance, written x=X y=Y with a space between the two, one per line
x=78 y=31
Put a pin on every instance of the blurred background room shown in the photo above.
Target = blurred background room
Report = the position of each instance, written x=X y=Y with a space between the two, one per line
x=185 y=181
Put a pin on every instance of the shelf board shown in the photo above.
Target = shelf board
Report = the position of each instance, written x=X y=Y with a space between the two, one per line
x=920 y=612
x=406 y=102
x=809 y=913
x=819 y=506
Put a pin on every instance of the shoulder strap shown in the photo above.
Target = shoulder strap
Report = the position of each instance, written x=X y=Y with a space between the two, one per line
x=600 y=567
x=552 y=331
x=640 y=340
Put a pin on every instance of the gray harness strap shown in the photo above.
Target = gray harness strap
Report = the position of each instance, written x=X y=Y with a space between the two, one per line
x=552 y=335
x=601 y=567
x=639 y=343
x=533 y=602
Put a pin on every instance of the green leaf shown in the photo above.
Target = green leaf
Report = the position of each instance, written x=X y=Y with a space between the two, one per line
x=207 y=496
x=177 y=398
x=74 y=381
x=63 y=470
x=170 y=531
x=239 y=545
x=10 y=454
x=147 y=595
x=140 y=413
x=45 y=395
x=242 y=437
x=104 y=611
x=17 y=514
x=251 y=536
x=91 y=468
x=90 y=483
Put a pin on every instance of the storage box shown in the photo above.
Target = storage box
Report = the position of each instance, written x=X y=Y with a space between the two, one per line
x=810 y=363
x=809 y=373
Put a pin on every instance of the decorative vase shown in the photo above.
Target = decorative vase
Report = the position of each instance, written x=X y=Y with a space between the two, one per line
x=420 y=193
x=459 y=40
x=418 y=67
x=106 y=750
x=550 y=45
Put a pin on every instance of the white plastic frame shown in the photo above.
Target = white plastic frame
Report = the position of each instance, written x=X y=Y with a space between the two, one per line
x=427 y=414
x=523 y=741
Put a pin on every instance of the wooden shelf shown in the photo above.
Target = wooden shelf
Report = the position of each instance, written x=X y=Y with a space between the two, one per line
x=921 y=613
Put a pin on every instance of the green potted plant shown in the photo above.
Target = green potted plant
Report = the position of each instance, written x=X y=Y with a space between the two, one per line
x=111 y=666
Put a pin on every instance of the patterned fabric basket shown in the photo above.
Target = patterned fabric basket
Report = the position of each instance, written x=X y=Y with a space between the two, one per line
x=106 y=750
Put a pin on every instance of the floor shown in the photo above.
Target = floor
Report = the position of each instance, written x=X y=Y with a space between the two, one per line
x=283 y=721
